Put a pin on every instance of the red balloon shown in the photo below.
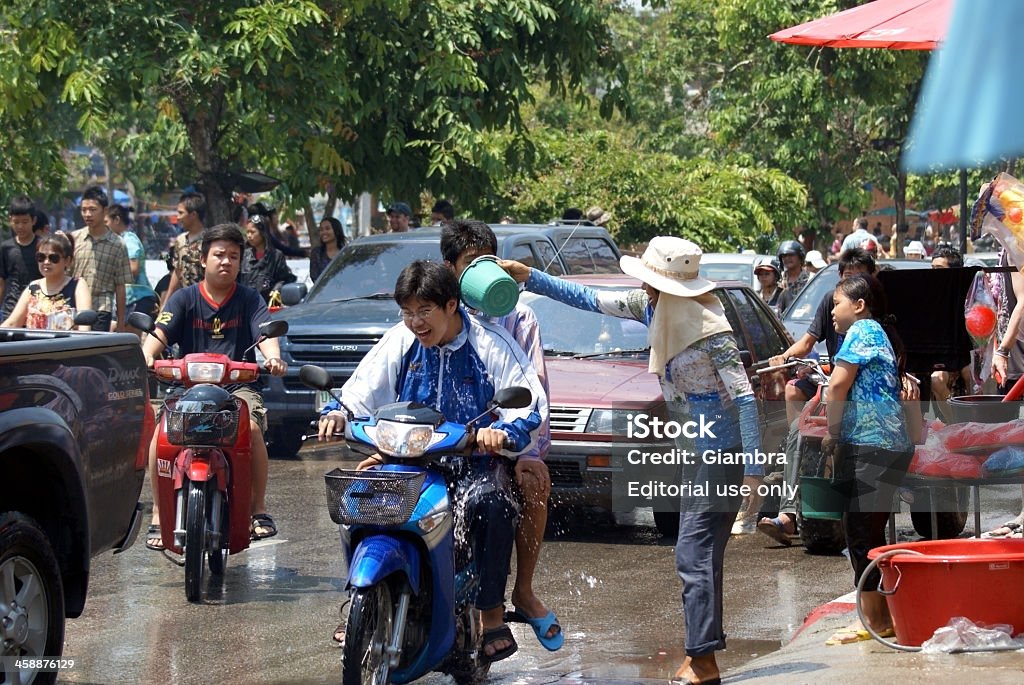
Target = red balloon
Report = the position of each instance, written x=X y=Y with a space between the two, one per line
x=980 y=321
x=1014 y=214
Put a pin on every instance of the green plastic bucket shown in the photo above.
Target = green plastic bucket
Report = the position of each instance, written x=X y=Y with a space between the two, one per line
x=819 y=499
x=487 y=288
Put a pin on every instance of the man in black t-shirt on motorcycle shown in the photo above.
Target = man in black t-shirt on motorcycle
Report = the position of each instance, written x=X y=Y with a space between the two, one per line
x=218 y=315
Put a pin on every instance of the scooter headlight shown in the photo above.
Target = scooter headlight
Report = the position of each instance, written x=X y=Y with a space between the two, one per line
x=403 y=439
x=205 y=372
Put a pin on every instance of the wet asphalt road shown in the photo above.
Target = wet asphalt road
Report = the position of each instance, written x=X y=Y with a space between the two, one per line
x=613 y=586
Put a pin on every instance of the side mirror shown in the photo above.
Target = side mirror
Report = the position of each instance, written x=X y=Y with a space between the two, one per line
x=141 y=321
x=293 y=293
x=315 y=377
x=747 y=360
x=273 y=329
x=513 y=398
x=85 y=317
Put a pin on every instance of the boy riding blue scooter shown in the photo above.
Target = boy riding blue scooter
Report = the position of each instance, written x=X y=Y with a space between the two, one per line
x=442 y=359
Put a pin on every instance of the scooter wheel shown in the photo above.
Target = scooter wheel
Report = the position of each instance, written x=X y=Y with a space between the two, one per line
x=218 y=558
x=195 y=540
x=371 y=620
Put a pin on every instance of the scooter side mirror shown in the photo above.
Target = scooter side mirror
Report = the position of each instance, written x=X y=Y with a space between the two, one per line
x=273 y=329
x=315 y=377
x=141 y=321
x=515 y=397
x=85 y=317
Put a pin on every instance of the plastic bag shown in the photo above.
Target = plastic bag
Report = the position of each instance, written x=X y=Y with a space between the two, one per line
x=1006 y=461
x=935 y=461
x=964 y=634
x=980 y=311
x=1000 y=211
x=958 y=437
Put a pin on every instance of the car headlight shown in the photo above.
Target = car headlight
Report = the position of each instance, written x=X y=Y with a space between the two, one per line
x=603 y=421
x=402 y=439
x=205 y=372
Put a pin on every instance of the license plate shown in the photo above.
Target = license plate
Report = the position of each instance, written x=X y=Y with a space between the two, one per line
x=323 y=397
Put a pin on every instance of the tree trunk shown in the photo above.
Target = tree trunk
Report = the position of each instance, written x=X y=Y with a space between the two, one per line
x=900 y=200
x=202 y=123
x=312 y=225
x=332 y=203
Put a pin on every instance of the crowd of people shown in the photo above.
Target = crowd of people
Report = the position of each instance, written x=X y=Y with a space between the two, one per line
x=223 y=279
x=107 y=259
x=918 y=243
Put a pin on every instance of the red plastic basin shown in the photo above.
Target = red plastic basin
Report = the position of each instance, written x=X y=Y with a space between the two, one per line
x=978 y=579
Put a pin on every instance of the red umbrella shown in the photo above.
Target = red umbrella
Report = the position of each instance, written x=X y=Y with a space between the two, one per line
x=892 y=24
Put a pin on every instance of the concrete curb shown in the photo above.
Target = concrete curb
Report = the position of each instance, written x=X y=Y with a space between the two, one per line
x=807 y=660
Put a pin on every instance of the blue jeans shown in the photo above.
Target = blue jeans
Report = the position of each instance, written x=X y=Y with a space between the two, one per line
x=704 y=529
x=485 y=506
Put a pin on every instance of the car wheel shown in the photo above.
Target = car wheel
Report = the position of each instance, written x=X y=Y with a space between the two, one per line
x=31 y=596
x=667 y=523
x=951 y=512
x=286 y=441
x=819 y=536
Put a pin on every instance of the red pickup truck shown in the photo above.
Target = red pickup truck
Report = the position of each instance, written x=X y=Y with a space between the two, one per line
x=597 y=373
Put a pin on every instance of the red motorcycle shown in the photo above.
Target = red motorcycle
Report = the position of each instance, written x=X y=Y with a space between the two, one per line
x=825 y=535
x=203 y=461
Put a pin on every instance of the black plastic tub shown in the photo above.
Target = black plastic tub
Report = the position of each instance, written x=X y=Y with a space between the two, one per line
x=983 y=409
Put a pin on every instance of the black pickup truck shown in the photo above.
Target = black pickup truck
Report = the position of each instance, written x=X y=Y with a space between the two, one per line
x=74 y=429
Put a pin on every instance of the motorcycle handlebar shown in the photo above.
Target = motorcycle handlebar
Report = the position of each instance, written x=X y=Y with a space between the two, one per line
x=791 y=362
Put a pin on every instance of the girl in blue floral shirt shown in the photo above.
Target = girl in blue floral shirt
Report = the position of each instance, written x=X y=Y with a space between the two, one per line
x=867 y=426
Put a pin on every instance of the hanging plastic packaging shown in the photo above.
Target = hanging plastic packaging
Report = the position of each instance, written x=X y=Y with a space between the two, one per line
x=999 y=211
x=980 y=311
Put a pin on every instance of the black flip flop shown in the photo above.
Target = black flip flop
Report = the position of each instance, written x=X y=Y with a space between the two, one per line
x=262 y=521
x=492 y=635
x=153 y=533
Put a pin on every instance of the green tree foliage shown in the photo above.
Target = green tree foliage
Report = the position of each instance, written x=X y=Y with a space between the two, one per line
x=707 y=80
x=722 y=206
x=383 y=95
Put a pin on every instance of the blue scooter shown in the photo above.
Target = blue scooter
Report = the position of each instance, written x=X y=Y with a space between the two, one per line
x=411 y=581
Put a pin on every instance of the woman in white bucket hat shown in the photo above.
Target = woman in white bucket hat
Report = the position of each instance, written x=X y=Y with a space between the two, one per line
x=695 y=356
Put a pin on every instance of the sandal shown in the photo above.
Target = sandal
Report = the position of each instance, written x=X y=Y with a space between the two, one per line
x=500 y=634
x=1007 y=530
x=846 y=636
x=541 y=627
x=776 y=529
x=262 y=521
x=339 y=635
x=338 y=638
x=154 y=540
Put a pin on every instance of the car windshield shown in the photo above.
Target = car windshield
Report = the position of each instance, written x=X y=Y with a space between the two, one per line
x=803 y=307
x=569 y=331
x=725 y=271
x=370 y=268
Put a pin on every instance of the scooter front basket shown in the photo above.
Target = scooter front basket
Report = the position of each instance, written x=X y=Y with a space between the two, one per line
x=201 y=428
x=375 y=498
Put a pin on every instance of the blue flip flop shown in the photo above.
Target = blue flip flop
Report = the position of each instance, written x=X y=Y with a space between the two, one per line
x=540 y=626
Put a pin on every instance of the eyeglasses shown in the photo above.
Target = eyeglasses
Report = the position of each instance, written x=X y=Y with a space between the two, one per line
x=420 y=314
x=51 y=257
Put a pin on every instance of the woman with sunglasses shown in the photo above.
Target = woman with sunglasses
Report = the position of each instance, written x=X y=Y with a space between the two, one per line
x=51 y=301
